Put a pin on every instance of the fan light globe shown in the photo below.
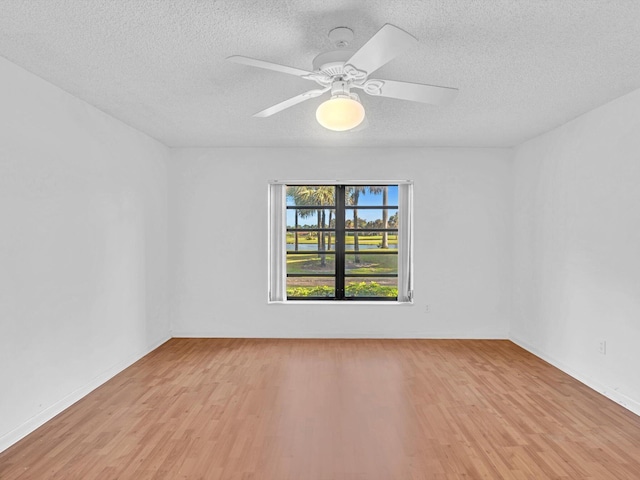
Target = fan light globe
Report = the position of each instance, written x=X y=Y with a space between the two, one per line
x=340 y=114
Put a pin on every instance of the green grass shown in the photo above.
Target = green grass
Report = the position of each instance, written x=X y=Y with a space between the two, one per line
x=310 y=264
x=370 y=263
x=362 y=240
x=354 y=289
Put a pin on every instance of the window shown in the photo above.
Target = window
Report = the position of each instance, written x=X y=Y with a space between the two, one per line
x=340 y=242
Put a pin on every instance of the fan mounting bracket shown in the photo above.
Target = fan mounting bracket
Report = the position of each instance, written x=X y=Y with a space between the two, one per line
x=341 y=37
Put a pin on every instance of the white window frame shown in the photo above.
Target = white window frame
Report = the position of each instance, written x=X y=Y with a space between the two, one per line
x=276 y=242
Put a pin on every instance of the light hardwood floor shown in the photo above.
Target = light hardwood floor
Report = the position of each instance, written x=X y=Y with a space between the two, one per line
x=334 y=409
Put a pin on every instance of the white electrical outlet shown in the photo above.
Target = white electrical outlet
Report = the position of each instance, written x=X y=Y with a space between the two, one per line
x=427 y=309
x=603 y=347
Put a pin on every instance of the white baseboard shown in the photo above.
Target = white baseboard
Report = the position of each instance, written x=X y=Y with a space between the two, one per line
x=612 y=394
x=345 y=335
x=44 y=416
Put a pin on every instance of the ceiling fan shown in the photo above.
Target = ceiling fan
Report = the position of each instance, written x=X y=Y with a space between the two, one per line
x=341 y=70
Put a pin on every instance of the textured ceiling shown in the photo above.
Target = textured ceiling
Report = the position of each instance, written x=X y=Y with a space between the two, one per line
x=522 y=67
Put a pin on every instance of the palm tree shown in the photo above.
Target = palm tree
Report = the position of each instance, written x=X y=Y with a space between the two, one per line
x=385 y=213
x=324 y=195
x=385 y=216
x=353 y=198
x=300 y=195
x=316 y=196
x=293 y=193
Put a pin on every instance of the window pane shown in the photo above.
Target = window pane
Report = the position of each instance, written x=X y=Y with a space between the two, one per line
x=370 y=240
x=313 y=218
x=311 y=241
x=375 y=265
x=370 y=263
x=310 y=195
x=371 y=287
x=371 y=218
x=310 y=287
x=311 y=264
x=371 y=195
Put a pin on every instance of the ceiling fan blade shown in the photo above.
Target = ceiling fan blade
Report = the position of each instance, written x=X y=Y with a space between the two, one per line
x=267 y=112
x=385 y=45
x=253 y=62
x=415 y=92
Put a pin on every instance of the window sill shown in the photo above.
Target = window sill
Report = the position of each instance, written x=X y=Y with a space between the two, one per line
x=340 y=302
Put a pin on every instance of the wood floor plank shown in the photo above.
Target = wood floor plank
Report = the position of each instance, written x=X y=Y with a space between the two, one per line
x=334 y=409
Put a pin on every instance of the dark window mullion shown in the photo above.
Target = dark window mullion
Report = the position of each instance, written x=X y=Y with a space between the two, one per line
x=382 y=275
x=372 y=229
x=371 y=251
x=374 y=299
x=341 y=210
x=311 y=207
x=326 y=299
x=339 y=241
x=316 y=252
x=371 y=207
x=312 y=275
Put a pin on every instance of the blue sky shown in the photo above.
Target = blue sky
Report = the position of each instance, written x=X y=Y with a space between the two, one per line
x=365 y=199
x=376 y=199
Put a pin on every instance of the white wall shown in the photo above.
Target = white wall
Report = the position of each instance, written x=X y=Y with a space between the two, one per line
x=462 y=232
x=83 y=249
x=577 y=248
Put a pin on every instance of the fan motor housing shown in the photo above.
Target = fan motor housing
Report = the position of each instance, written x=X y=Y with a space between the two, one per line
x=331 y=63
